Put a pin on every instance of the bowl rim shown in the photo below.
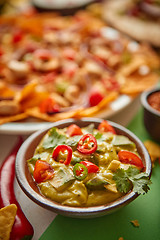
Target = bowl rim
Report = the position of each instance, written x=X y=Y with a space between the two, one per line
x=80 y=212
x=146 y=105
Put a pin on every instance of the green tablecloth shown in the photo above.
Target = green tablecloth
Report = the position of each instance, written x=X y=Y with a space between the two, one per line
x=145 y=209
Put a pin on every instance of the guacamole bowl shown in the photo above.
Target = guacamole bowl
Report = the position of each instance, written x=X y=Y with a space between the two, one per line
x=27 y=159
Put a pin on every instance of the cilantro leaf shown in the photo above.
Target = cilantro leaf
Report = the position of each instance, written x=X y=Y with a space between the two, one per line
x=131 y=179
x=54 y=139
x=122 y=181
x=73 y=141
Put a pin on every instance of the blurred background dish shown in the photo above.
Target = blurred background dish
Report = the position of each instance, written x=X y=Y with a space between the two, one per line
x=151 y=104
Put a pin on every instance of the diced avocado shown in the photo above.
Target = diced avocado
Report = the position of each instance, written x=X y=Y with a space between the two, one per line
x=62 y=179
x=96 y=183
x=123 y=142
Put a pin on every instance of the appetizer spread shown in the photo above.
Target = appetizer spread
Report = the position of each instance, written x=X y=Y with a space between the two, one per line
x=83 y=167
x=139 y=19
x=55 y=67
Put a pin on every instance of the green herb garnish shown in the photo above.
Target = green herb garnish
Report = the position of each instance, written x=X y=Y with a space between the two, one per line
x=131 y=179
x=54 y=139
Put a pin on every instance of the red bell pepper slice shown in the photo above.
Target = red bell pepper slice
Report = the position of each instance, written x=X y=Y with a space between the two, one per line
x=87 y=144
x=43 y=171
x=95 y=98
x=130 y=158
x=74 y=130
x=49 y=106
x=62 y=148
x=104 y=126
x=92 y=168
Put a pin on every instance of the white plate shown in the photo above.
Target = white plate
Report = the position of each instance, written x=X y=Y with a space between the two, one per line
x=61 y=4
x=121 y=111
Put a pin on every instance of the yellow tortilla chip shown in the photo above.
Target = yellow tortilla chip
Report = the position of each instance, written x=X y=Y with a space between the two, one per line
x=14 y=118
x=34 y=112
x=153 y=149
x=7 y=218
x=93 y=110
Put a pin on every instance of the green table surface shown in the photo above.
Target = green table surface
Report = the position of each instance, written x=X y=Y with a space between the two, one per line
x=145 y=209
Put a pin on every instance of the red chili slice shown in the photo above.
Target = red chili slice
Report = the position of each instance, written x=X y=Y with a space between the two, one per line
x=87 y=144
x=92 y=168
x=74 y=130
x=130 y=158
x=43 y=171
x=104 y=126
x=62 y=148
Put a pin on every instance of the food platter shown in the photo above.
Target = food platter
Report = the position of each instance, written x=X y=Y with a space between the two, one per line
x=122 y=104
x=99 y=74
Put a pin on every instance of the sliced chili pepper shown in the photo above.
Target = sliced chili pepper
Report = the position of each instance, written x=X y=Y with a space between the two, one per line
x=87 y=144
x=74 y=130
x=62 y=148
x=43 y=171
x=22 y=229
x=49 y=106
x=104 y=126
x=92 y=168
x=95 y=97
x=130 y=158
x=80 y=171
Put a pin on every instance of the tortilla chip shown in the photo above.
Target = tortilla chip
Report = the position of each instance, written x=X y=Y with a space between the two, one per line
x=93 y=110
x=153 y=149
x=14 y=118
x=34 y=112
x=137 y=84
x=7 y=218
x=135 y=223
x=26 y=91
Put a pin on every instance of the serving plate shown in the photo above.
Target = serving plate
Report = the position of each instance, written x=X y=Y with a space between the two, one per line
x=121 y=111
x=55 y=4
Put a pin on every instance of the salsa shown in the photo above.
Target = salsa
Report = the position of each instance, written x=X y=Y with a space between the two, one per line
x=154 y=100
x=86 y=166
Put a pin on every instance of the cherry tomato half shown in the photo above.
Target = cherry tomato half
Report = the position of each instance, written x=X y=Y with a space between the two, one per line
x=104 y=126
x=74 y=130
x=43 y=171
x=130 y=158
x=92 y=168
x=95 y=97
x=87 y=144
x=49 y=106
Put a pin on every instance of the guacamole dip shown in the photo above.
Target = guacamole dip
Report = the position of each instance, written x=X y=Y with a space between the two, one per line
x=85 y=166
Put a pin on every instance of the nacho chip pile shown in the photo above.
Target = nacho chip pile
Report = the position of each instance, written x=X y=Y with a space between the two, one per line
x=51 y=66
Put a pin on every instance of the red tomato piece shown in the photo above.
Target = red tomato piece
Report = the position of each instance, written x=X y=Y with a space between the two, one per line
x=95 y=97
x=17 y=36
x=130 y=158
x=92 y=168
x=104 y=126
x=49 y=106
x=74 y=130
x=43 y=171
